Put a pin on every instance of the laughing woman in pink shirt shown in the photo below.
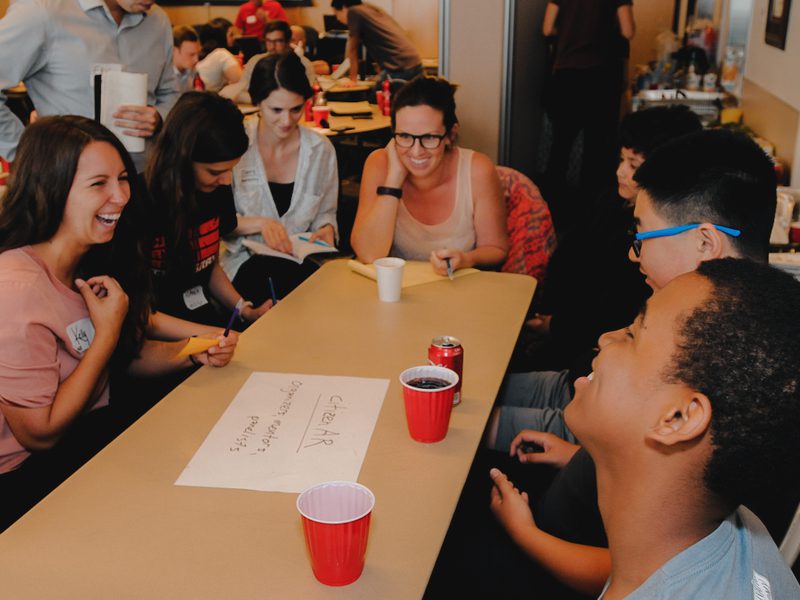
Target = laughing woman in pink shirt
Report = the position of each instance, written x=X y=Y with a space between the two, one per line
x=73 y=294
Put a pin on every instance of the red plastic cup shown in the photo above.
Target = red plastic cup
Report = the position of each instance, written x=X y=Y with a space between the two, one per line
x=320 y=113
x=794 y=232
x=336 y=526
x=428 y=410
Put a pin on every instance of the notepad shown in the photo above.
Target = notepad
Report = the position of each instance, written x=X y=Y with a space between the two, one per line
x=196 y=345
x=300 y=248
x=350 y=108
x=416 y=272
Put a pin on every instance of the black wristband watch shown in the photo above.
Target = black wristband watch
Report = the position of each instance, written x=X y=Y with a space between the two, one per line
x=389 y=191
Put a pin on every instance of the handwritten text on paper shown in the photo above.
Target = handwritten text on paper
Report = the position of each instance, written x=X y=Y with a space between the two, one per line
x=284 y=432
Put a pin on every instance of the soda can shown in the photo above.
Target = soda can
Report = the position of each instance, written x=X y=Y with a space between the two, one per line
x=446 y=351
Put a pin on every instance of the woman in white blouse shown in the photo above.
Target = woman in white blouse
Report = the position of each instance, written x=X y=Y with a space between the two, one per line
x=286 y=183
x=217 y=67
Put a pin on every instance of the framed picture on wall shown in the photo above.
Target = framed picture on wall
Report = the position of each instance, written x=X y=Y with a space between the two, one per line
x=777 y=23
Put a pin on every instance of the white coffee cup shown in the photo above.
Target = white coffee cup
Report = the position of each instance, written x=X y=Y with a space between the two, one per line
x=390 y=278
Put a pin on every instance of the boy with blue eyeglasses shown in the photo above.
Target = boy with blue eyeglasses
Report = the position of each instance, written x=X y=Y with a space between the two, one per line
x=720 y=181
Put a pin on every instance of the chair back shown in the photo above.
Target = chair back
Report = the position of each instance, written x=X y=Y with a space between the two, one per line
x=312 y=42
x=248 y=45
x=532 y=238
x=790 y=546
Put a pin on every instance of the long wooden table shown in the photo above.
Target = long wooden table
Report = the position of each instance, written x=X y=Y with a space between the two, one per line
x=119 y=528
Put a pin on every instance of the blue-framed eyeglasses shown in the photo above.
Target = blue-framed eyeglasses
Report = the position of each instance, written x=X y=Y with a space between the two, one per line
x=636 y=244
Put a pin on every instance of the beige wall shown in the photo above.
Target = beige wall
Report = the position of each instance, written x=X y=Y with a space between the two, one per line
x=773 y=119
x=420 y=19
x=652 y=17
x=771 y=91
x=477 y=24
x=191 y=15
x=773 y=69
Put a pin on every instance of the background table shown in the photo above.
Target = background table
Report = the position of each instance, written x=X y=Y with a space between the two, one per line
x=359 y=126
x=119 y=528
x=378 y=122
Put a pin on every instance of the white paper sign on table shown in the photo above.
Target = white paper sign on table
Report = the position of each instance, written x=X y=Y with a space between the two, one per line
x=120 y=87
x=284 y=432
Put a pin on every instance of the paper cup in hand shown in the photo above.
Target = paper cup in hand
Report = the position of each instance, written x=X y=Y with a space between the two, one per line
x=336 y=525
x=389 y=272
x=120 y=88
x=428 y=396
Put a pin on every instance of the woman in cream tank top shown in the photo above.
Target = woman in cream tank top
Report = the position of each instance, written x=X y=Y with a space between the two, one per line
x=422 y=197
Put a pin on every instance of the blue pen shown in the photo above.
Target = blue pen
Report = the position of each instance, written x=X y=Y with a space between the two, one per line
x=272 y=291
x=236 y=310
x=305 y=238
x=449 y=268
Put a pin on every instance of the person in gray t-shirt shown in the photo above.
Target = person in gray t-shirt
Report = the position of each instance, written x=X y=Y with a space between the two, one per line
x=691 y=413
x=384 y=39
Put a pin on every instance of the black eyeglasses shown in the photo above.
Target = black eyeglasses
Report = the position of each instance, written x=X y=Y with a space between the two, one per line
x=636 y=243
x=429 y=141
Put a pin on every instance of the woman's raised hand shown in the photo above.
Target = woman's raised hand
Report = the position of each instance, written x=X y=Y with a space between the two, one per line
x=396 y=173
x=107 y=303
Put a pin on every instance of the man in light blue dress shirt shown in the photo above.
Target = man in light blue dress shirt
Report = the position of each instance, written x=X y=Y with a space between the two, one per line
x=56 y=46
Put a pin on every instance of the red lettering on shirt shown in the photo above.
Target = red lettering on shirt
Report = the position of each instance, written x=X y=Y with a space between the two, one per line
x=205 y=240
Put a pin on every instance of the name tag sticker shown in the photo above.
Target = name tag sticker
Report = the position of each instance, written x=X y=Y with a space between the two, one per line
x=249 y=176
x=194 y=298
x=251 y=19
x=81 y=334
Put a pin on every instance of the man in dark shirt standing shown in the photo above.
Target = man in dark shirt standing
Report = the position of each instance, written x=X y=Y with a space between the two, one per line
x=384 y=39
x=585 y=88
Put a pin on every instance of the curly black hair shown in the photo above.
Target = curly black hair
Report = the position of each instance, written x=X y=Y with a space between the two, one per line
x=741 y=348
x=714 y=176
x=645 y=130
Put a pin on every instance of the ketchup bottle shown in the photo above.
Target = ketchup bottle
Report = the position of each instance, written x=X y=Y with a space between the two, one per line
x=319 y=95
x=387 y=98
